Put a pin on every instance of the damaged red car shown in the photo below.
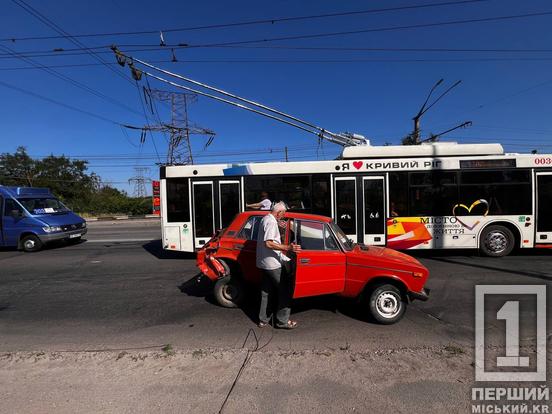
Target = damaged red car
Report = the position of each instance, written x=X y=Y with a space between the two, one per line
x=383 y=280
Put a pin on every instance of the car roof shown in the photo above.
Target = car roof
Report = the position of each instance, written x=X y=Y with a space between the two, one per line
x=289 y=214
x=26 y=192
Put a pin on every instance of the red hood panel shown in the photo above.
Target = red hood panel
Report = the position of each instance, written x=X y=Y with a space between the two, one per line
x=382 y=255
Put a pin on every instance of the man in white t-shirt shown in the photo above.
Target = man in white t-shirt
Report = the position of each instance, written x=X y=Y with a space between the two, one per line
x=269 y=261
x=264 y=204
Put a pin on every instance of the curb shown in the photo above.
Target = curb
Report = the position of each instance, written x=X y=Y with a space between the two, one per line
x=111 y=218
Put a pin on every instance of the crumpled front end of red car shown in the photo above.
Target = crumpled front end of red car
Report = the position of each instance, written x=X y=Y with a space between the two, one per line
x=207 y=263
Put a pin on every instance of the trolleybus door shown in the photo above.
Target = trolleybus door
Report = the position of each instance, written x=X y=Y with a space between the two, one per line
x=345 y=191
x=374 y=212
x=203 y=211
x=544 y=201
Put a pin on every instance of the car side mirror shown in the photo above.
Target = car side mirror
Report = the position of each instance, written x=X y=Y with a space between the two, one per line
x=15 y=214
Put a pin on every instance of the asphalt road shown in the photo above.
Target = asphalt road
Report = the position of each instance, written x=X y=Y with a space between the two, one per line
x=119 y=289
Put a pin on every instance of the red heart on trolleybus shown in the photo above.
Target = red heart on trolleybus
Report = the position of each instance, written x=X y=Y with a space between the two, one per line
x=469 y=209
x=358 y=164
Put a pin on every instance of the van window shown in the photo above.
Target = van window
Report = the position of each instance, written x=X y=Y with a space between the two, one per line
x=42 y=205
x=11 y=205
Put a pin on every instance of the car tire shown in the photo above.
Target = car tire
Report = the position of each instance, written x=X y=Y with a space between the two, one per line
x=387 y=305
x=496 y=241
x=31 y=243
x=229 y=292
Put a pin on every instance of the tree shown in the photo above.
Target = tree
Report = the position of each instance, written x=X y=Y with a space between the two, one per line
x=67 y=179
x=410 y=139
x=70 y=181
x=17 y=168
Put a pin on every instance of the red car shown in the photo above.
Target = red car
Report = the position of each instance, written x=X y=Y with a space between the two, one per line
x=328 y=263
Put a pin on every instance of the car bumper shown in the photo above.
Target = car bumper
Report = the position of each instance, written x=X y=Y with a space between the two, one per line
x=65 y=235
x=423 y=295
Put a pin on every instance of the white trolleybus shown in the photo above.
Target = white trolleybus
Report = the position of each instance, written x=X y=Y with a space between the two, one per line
x=431 y=196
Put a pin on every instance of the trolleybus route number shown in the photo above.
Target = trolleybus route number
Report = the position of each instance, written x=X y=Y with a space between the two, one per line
x=543 y=161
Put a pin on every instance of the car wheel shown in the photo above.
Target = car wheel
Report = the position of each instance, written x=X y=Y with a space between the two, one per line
x=229 y=292
x=31 y=243
x=387 y=305
x=496 y=241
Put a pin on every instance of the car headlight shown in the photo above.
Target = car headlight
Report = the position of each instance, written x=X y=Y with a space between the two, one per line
x=83 y=224
x=51 y=229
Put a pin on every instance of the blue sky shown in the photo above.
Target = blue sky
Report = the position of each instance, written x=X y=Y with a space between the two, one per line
x=375 y=93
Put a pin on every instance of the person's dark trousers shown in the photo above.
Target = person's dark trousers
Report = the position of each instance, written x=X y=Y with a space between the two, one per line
x=275 y=282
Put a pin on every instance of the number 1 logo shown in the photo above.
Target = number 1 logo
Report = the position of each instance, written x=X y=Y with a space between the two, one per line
x=509 y=312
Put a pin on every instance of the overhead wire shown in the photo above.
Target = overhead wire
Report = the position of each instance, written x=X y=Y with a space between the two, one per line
x=82 y=49
x=268 y=150
x=70 y=80
x=48 y=22
x=315 y=61
x=370 y=49
x=147 y=121
x=59 y=52
x=381 y=29
x=270 y=21
x=55 y=102
x=506 y=97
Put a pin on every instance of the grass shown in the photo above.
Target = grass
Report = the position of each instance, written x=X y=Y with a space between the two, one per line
x=168 y=350
x=454 y=350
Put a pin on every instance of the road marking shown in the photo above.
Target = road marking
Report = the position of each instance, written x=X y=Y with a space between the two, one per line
x=118 y=240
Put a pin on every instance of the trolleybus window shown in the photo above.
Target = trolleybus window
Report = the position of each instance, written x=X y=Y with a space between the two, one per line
x=178 y=206
x=299 y=192
x=433 y=193
x=293 y=189
x=398 y=194
x=506 y=192
x=321 y=195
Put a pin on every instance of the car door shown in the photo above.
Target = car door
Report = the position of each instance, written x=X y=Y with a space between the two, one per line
x=320 y=266
x=246 y=246
x=14 y=222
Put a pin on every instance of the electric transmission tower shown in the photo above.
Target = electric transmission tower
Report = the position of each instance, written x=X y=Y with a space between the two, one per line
x=139 y=181
x=180 y=128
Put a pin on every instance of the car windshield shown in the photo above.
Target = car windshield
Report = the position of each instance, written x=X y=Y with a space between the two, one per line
x=42 y=205
x=345 y=241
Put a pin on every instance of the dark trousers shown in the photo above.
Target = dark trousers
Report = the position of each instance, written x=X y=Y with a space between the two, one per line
x=275 y=284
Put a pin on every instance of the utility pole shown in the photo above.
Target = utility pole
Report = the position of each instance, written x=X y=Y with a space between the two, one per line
x=180 y=129
x=435 y=137
x=425 y=107
x=286 y=154
x=139 y=181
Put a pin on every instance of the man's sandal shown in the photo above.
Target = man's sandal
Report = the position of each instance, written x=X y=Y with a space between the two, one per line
x=289 y=325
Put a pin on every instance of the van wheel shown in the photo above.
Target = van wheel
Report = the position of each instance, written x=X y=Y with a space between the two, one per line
x=387 y=305
x=31 y=243
x=229 y=292
x=496 y=241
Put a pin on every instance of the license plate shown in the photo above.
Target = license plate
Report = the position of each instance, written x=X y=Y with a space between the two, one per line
x=74 y=236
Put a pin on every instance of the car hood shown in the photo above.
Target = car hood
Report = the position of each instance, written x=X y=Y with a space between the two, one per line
x=383 y=256
x=60 y=219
